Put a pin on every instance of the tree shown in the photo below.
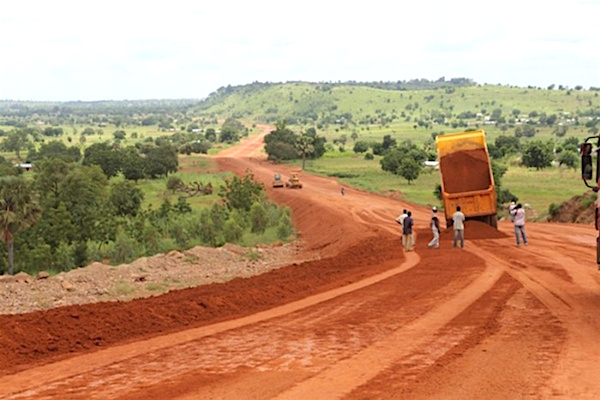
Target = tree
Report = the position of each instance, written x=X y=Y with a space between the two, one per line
x=560 y=130
x=49 y=180
x=241 y=193
x=405 y=160
x=211 y=135
x=109 y=159
x=568 y=159
x=409 y=169
x=229 y=134
x=18 y=210
x=507 y=144
x=524 y=130
x=496 y=114
x=120 y=134
x=133 y=165
x=388 y=142
x=305 y=145
x=162 y=160
x=174 y=183
x=15 y=141
x=537 y=154
x=280 y=143
x=361 y=146
x=53 y=131
x=126 y=198
x=55 y=149
x=84 y=192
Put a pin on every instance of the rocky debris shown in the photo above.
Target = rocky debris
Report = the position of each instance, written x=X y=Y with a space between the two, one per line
x=144 y=277
x=43 y=275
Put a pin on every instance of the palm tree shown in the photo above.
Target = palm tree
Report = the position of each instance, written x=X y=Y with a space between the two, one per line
x=17 y=210
x=305 y=145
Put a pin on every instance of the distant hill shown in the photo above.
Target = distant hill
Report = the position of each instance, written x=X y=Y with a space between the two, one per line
x=392 y=107
x=454 y=103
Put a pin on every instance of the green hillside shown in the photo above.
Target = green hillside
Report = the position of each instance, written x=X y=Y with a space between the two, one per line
x=412 y=114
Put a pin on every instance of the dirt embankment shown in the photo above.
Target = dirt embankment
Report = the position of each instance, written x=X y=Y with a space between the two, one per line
x=578 y=209
x=38 y=337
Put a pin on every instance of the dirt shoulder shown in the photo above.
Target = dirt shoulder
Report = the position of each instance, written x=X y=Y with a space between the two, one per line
x=145 y=277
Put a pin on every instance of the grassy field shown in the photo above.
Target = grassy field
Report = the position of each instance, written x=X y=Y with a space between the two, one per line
x=537 y=188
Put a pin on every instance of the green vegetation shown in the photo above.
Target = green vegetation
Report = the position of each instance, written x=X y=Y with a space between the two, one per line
x=116 y=180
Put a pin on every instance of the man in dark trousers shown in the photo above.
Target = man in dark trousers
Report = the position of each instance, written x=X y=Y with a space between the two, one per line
x=407 y=226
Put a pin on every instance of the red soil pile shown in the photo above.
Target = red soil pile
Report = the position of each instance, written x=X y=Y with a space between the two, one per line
x=465 y=171
x=475 y=230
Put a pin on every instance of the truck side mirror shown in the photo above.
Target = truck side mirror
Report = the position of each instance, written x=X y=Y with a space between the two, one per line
x=585 y=149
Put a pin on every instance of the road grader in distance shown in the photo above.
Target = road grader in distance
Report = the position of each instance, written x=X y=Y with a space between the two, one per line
x=294 y=182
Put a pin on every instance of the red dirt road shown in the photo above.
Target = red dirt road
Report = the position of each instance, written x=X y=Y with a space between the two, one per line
x=359 y=321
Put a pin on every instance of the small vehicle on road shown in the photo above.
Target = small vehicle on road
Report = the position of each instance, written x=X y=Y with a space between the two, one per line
x=277 y=181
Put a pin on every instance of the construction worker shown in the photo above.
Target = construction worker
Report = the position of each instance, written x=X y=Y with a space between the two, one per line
x=518 y=214
x=435 y=229
x=458 y=222
x=400 y=220
x=407 y=233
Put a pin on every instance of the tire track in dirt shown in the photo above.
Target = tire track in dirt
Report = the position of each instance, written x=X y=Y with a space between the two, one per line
x=343 y=377
x=570 y=293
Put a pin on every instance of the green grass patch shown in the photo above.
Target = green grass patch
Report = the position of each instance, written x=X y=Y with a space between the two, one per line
x=544 y=187
x=355 y=171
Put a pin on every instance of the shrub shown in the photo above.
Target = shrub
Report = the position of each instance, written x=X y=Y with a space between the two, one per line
x=285 y=228
x=258 y=218
x=125 y=249
x=232 y=231
x=63 y=257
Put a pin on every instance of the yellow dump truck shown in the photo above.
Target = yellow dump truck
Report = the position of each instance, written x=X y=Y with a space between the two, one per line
x=466 y=175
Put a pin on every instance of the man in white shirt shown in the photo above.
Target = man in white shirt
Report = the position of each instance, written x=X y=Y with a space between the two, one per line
x=519 y=219
x=458 y=222
x=435 y=229
x=400 y=220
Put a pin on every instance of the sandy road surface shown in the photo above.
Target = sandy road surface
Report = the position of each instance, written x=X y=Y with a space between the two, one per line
x=362 y=322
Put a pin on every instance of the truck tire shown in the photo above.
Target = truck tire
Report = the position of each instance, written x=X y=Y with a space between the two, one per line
x=494 y=221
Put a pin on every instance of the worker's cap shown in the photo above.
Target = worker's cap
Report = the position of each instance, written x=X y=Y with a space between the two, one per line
x=434 y=209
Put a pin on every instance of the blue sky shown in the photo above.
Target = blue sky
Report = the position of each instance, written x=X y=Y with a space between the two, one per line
x=114 y=50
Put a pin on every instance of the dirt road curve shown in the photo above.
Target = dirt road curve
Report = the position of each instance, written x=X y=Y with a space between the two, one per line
x=360 y=321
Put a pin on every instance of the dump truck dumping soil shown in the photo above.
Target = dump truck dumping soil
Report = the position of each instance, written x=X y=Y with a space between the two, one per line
x=469 y=171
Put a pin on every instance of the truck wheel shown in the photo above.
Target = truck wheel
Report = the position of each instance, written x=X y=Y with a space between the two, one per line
x=494 y=221
x=448 y=223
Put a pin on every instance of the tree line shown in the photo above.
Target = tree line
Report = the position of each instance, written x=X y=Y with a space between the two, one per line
x=69 y=214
